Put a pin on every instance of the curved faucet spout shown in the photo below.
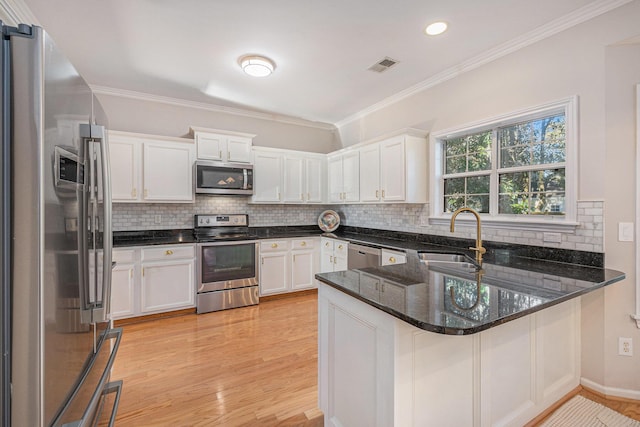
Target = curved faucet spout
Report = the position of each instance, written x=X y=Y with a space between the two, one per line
x=479 y=249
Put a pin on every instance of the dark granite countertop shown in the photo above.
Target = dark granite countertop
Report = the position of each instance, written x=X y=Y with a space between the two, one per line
x=152 y=237
x=446 y=298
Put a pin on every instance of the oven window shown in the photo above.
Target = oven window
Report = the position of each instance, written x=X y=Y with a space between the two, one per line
x=220 y=177
x=228 y=262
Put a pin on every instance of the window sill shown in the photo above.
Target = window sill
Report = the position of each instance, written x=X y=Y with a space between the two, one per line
x=511 y=224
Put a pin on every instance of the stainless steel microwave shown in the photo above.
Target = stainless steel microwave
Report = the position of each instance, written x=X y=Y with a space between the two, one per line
x=223 y=178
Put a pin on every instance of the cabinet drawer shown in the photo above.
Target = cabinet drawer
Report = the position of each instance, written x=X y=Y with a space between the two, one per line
x=124 y=256
x=168 y=252
x=326 y=244
x=303 y=243
x=389 y=257
x=274 y=245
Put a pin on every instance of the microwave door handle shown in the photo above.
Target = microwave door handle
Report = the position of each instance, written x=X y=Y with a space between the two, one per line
x=245 y=180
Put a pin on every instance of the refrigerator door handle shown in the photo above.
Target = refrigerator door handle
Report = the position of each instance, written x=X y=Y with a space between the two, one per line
x=113 y=387
x=98 y=135
x=103 y=386
x=107 y=243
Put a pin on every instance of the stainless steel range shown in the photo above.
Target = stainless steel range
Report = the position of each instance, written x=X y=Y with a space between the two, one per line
x=227 y=262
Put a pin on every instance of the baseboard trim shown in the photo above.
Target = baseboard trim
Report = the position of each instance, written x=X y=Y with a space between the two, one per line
x=156 y=316
x=610 y=392
x=544 y=414
x=288 y=295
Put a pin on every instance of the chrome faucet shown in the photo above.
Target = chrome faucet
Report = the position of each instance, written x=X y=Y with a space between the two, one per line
x=478 y=248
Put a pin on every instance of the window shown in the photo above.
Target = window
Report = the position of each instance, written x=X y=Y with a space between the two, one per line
x=514 y=167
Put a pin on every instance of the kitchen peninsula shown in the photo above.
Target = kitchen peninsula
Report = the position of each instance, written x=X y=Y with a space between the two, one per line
x=443 y=343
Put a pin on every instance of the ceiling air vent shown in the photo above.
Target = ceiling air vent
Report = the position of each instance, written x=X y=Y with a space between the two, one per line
x=383 y=65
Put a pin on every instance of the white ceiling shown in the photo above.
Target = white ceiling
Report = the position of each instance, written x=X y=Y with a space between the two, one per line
x=322 y=48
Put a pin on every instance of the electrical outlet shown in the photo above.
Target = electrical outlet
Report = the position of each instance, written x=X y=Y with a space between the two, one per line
x=625 y=346
x=158 y=219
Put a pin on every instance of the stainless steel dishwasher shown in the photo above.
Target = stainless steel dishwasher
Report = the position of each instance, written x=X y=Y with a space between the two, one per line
x=362 y=256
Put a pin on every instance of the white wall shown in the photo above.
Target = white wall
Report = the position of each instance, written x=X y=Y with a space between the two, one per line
x=579 y=61
x=141 y=116
x=622 y=74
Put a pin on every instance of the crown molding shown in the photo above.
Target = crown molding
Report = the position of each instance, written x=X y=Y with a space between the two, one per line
x=210 y=107
x=14 y=12
x=558 y=25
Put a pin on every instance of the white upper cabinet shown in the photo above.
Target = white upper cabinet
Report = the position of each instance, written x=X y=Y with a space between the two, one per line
x=223 y=146
x=294 y=179
x=287 y=176
x=267 y=177
x=344 y=177
x=314 y=179
x=149 y=168
x=394 y=170
x=370 y=173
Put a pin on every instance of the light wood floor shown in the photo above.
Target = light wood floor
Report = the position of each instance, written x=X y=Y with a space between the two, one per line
x=253 y=366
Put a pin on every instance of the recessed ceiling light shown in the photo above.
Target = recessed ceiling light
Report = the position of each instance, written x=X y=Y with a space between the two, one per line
x=436 y=28
x=257 y=66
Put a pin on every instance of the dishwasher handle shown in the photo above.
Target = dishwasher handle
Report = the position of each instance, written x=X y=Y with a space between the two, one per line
x=364 y=249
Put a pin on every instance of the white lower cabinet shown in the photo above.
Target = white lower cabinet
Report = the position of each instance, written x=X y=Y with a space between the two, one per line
x=274 y=265
x=288 y=265
x=406 y=376
x=333 y=255
x=152 y=279
x=123 y=283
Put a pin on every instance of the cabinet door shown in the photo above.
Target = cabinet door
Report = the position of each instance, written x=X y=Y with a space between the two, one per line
x=326 y=255
x=125 y=169
x=122 y=291
x=339 y=263
x=314 y=179
x=273 y=273
x=210 y=146
x=370 y=173
x=351 y=177
x=167 y=285
x=267 y=177
x=393 y=295
x=168 y=172
x=335 y=181
x=293 y=179
x=239 y=149
x=302 y=269
x=393 y=170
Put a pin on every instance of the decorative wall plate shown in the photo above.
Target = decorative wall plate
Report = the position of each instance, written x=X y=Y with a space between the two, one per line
x=328 y=221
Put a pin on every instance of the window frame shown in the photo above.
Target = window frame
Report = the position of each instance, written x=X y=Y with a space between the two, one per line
x=566 y=222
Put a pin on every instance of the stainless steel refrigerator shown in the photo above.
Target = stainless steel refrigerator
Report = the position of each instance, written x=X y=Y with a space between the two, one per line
x=57 y=343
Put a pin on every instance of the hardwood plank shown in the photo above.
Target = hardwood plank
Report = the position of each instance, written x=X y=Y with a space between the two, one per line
x=249 y=366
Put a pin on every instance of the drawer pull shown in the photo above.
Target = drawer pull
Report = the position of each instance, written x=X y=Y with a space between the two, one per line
x=340 y=247
x=303 y=243
x=274 y=245
x=169 y=252
x=326 y=244
x=392 y=260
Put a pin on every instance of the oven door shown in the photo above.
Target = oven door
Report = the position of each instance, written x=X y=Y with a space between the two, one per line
x=223 y=178
x=227 y=265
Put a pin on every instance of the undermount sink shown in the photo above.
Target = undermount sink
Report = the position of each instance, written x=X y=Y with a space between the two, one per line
x=447 y=260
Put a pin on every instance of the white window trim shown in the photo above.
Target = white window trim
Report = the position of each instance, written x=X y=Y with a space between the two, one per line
x=566 y=223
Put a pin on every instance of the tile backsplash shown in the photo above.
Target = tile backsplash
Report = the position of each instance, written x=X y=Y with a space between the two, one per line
x=412 y=218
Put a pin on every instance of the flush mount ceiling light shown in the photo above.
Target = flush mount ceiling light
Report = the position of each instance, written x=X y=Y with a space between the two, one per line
x=257 y=66
x=436 y=28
